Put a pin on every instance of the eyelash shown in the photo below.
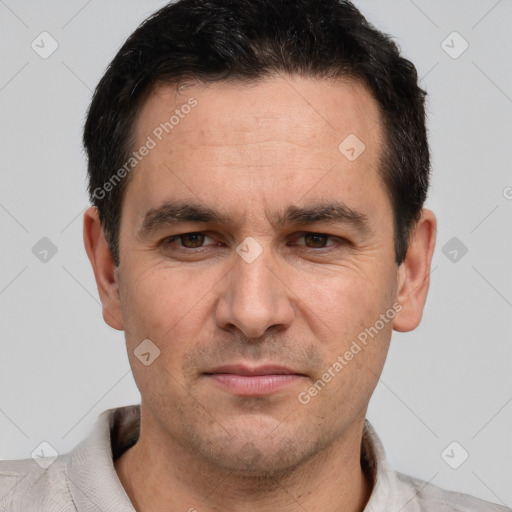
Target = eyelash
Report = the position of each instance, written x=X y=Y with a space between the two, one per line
x=167 y=242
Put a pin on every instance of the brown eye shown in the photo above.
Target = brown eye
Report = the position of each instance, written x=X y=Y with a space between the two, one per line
x=192 y=240
x=188 y=241
x=316 y=240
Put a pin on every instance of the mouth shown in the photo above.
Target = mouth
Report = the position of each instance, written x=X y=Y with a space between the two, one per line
x=242 y=380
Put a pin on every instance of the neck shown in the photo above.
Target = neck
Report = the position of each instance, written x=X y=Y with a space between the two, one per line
x=159 y=474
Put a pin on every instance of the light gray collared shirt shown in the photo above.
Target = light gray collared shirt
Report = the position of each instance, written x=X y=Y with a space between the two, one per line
x=85 y=479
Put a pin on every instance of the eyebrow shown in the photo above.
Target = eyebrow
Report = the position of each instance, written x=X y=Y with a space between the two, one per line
x=178 y=212
x=333 y=212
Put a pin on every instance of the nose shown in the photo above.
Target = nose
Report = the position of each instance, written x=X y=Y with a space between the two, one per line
x=255 y=298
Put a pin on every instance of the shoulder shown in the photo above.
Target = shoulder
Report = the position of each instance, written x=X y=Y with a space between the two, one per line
x=25 y=485
x=393 y=490
x=427 y=496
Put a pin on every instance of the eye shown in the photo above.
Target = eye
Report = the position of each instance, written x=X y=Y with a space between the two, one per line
x=193 y=240
x=316 y=240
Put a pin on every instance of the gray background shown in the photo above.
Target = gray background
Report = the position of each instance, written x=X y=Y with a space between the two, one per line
x=449 y=380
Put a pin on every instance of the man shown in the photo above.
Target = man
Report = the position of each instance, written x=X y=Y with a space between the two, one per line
x=258 y=170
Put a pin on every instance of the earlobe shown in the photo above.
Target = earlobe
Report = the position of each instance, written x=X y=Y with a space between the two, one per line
x=414 y=273
x=105 y=271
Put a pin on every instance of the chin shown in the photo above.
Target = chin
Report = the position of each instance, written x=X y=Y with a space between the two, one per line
x=256 y=452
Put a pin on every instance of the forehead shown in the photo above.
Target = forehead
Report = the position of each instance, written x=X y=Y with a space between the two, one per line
x=302 y=111
x=275 y=141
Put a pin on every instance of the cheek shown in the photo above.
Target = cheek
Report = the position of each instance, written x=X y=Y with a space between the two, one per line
x=345 y=300
x=346 y=309
x=354 y=339
x=153 y=310
x=166 y=305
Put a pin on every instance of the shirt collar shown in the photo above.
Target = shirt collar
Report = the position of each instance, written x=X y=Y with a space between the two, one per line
x=91 y=476
x=94 y=484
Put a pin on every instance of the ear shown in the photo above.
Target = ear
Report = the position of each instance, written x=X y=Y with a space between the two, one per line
x=414 y=273
x=105 y=271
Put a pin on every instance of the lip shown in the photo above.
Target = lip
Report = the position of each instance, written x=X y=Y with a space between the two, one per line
x=243 y=380
x=241 y=369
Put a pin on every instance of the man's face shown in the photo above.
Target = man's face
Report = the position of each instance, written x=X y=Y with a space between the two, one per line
x=257 y=155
